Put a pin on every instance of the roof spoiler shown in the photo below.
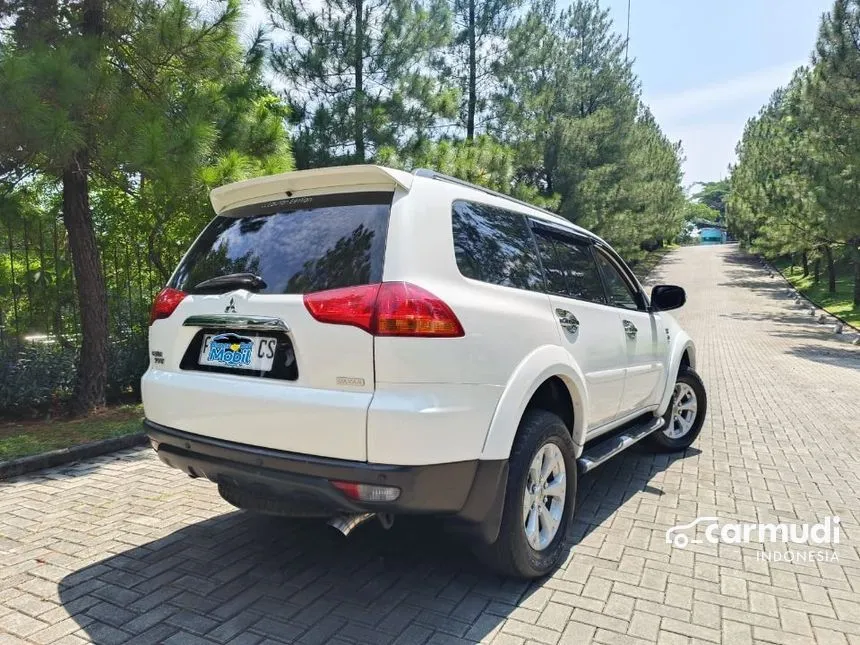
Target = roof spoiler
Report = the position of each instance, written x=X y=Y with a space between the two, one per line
x=307 y=182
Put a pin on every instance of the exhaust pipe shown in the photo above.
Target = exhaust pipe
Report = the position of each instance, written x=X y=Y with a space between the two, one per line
x=347 y=523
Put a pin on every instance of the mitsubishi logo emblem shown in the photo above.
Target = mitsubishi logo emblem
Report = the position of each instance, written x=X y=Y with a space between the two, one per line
x=230 y=309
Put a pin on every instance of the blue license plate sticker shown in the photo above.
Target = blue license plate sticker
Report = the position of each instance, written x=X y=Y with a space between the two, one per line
x=233 y=350
x=230 y=350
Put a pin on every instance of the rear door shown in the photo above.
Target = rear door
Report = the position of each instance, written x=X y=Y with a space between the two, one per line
x=645 y=348
x=589 y=329
x=247 y=361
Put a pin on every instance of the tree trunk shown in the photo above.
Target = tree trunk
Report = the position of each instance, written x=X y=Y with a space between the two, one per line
x=473 y=67
x=831 y=269
x=91 y=376
x=155 y=257
x=817 y=270
x=855 y=251
x=359 y=81
x=805 y=260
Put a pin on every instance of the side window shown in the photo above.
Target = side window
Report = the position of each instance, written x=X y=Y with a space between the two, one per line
x=620 y=293
x=570 y=268
x=495 y=245
x=555 y=280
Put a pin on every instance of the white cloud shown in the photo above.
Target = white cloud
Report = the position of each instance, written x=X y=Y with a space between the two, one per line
x=687 y=103
x=709 y=120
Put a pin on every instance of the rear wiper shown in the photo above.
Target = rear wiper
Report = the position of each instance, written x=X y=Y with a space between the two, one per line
x=222 y=283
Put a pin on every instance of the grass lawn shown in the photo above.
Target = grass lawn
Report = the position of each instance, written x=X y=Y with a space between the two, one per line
x=839 y=303
x=22 y=438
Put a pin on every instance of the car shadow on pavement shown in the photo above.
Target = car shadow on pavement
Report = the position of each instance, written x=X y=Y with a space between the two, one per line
x=300 y=580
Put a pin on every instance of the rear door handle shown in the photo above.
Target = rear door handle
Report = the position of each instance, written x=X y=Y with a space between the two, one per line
x=629 y=328
x=567 y=320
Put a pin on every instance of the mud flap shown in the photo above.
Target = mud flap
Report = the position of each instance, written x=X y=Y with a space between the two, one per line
x=481 y=515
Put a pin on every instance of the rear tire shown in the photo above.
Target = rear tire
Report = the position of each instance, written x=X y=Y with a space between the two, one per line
x=681 y=428
x=542 y=438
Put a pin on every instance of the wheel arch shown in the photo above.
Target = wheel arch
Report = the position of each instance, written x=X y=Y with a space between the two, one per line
x=683 y=354
x=545 y=379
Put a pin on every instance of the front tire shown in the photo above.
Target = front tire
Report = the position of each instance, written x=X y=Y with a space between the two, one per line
x=685 y=416
x=539 y=499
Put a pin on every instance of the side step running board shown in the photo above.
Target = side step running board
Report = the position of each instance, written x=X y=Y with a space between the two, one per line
x=600 y=452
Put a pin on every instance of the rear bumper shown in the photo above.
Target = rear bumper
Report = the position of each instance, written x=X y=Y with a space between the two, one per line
x=468 y=490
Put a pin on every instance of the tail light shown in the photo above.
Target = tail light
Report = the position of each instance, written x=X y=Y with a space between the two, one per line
x=347 y=306
x=367 y=492
x=403 y=309
x=386 y=309
x=165 y=303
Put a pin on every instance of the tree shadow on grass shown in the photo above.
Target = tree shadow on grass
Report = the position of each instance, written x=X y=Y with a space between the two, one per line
x=301 y=581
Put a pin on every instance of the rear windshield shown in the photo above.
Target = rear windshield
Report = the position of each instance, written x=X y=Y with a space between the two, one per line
x=295 y=245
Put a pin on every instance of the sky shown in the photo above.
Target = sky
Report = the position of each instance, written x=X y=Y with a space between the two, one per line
x=707 y=67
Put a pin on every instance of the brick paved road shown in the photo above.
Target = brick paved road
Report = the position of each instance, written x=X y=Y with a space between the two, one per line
x=122 y=549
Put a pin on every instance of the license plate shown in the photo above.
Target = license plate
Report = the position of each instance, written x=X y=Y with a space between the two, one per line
x=238 y=352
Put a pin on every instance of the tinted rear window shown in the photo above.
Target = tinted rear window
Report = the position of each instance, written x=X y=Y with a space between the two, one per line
x=296 y=245
x=495 y=245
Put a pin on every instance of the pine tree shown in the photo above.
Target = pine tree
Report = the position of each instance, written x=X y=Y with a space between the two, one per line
x=772 y=204
x=570 y=107
x=480 y=31
x=622 y=179
x=561 y=68
x=529 y=94
x=359 y=74
x=97 y=92
x=834 y=120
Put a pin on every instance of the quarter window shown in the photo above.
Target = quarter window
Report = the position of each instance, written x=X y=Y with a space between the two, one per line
x=570 y=268
x=620 y=293
x=495 y=245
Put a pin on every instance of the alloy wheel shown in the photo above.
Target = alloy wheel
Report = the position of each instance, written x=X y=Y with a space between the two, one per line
x=544 y=496
x=684 y=407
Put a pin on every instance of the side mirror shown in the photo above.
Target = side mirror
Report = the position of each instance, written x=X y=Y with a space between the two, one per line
x=668 y=296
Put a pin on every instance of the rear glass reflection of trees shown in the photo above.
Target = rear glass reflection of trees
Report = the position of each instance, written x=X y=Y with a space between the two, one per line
x=294 y=252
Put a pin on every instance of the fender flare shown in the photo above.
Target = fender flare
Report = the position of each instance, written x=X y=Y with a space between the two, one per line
x=682 y=343
x=543 y=363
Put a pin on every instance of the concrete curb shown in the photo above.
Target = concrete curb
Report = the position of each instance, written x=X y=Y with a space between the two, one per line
x=849 y=333
x=24 y=465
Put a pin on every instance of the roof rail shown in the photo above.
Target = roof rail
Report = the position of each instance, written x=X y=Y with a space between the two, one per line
x=432 y=174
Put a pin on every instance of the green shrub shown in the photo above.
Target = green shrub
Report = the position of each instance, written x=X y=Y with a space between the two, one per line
x=35 y=377
x=39 y=377
x=127 y=361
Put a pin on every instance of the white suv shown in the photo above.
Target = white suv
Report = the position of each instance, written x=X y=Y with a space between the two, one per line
x=352 y=341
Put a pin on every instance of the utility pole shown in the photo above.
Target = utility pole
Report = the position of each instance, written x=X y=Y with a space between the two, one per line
x=627 y=41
